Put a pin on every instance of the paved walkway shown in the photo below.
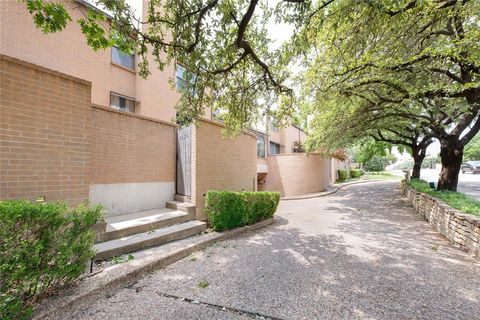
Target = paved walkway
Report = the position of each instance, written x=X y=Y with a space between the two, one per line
x=358 y=254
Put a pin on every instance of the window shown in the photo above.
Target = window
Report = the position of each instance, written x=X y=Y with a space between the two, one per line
x=260 y=147
x=180 y=82
x=124 y=59
x=122 y=103
x=184 y=79
x=274 y=148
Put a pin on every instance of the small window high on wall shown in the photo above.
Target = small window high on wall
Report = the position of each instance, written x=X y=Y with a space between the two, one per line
x=274 y=148
x=184 y=79
x=122 y=103
x=124 y=59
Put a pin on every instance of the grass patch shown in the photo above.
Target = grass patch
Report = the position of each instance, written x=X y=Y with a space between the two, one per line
x=203 y=284
x=121 y=259
x=457 y=200
x=383 y=175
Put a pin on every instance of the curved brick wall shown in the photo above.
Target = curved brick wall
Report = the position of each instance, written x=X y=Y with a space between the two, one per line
x=294 y=174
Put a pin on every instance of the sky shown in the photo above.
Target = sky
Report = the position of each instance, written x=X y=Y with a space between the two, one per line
x=136 y=5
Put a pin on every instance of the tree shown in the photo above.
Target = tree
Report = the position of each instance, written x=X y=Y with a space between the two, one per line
x=344 y=123
x=224 y=45
x=415 y=141
x=472 y=150
x=409 y=61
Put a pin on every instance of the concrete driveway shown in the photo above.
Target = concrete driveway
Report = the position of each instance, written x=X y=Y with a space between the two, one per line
x=358 y=254
x=467 y=182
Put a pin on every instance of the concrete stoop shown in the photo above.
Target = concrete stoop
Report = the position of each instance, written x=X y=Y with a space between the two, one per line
x=140 y=230
x=113 y=277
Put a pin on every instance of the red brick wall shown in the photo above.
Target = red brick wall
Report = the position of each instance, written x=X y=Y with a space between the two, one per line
x=44 y=136
x=130 y=148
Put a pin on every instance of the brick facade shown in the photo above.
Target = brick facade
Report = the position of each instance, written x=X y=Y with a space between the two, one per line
x=54 y=143
x=297 y=173
x=219 y=163
x=67 y=52
x=129 y=148
x=44 y=136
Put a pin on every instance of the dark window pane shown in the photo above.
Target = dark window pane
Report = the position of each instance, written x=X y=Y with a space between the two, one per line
x=274 y=148
x=124 y=59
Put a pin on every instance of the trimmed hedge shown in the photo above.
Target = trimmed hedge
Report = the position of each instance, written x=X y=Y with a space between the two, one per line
x=342 y=175
x=356 y=173
x=43 y=246
x=228 y=209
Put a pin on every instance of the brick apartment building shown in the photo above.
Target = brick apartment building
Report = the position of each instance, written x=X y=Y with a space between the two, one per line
x=79 y=125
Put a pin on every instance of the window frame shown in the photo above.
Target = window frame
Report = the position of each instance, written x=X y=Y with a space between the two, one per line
x=262 y=156
x=184 y=70
x=119 y=64
x=125 y=97
x=270 y=148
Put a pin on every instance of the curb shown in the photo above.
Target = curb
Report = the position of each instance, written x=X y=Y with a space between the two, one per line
x=113 y=278
x=329 y=192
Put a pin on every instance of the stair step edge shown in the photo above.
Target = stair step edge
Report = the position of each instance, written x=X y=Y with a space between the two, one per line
x=130 y=243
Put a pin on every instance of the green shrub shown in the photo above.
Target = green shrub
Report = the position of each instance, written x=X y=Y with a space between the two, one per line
x=227 y=209
x=376 y=164
x=43 y=246
x=342 y=175
x=356 y=173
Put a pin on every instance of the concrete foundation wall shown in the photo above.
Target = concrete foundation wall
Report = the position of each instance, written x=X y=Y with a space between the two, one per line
x=120 y=198
x=294 y=174
x=221 y=164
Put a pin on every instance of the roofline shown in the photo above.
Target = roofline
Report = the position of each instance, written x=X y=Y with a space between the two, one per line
x=88 y=5
x=295 y=126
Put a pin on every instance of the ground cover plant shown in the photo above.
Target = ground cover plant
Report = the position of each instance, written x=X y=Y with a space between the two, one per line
x=454 y=199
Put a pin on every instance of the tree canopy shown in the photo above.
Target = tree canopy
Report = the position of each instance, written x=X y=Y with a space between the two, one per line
x=402 y=66
x=472 y=150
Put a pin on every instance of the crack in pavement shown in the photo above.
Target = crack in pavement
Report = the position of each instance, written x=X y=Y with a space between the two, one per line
x=251 y=315
x=248 y=314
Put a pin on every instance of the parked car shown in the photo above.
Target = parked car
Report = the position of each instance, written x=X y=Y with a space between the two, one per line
x=471 y=166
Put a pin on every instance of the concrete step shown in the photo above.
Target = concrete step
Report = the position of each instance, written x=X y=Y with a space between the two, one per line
x=182 y=198
x=145 y=240
x=143 y=221
x=179 y=205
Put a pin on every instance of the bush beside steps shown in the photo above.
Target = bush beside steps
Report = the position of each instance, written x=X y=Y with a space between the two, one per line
x=43 y=246
x=228 y=209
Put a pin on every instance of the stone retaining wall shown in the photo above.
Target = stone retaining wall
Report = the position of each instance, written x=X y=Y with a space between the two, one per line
x=462 y=229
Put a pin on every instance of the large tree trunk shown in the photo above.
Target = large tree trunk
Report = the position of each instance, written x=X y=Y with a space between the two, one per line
x=451 y=155
x=418 y=154
x=417 y=165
